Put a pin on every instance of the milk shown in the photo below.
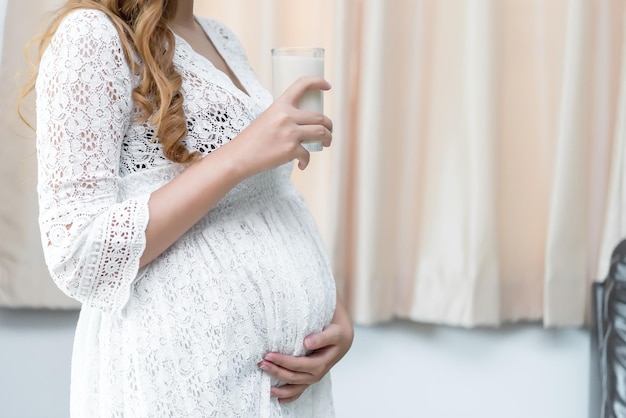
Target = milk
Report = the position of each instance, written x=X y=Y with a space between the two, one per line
x=288 y=68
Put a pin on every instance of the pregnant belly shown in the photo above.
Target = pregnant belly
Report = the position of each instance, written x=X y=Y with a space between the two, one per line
x=277 y=274
x=248 y=285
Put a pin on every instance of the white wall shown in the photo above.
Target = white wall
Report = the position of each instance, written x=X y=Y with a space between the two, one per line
x=409 y=370
x=393 y=371
x=35 y=350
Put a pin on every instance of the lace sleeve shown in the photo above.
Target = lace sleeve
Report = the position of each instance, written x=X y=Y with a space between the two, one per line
x=92 y=241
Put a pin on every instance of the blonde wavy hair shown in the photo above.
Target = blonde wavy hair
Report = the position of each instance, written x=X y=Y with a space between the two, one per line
x=143 y=29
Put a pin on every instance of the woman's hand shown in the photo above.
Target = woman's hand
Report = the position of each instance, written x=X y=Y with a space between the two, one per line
x=275 y=137
x=327 y=348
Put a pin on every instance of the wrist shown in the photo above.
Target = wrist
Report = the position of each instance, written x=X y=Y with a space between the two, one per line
x=240 y=164
x=234 y=165
x=342 y=319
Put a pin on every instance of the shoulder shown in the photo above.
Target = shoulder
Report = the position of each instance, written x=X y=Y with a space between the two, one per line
x=83 y=36
x=226 y=35
x=85 y=48
x=218 y=26
x=87 y=23
x=84 y=32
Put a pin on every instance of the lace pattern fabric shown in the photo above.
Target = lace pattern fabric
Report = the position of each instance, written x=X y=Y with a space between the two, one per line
x=182 y=336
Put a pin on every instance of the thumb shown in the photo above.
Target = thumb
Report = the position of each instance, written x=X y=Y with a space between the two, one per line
x=329 y=336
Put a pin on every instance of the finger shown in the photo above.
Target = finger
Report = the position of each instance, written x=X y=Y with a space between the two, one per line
x=295 y=92
x=293 y=363
x=288 y=391
x=288 y=400
x=285 y=375
x=305 y=117
x=319 y=132
x=331 y=335
x=303 y=156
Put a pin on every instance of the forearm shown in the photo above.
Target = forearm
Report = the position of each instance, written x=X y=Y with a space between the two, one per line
x=177 y=206
x=271 y=140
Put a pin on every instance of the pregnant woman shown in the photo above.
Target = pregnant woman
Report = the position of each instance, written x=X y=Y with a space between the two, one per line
x=167 y=210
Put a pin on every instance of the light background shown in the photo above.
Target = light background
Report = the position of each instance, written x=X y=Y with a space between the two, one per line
x=397 y=370
x=393 y=371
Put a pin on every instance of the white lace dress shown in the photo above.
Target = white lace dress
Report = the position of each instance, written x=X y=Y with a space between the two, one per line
x=181 y=337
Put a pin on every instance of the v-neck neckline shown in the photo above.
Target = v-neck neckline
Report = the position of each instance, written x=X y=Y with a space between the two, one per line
x=207 y=29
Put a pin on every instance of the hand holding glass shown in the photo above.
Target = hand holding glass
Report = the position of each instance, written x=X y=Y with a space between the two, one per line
x=289 y=64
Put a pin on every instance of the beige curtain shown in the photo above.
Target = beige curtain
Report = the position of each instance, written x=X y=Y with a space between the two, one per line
x=24 y=279
x=502 y=195
x=477 y=171
x=476 y=175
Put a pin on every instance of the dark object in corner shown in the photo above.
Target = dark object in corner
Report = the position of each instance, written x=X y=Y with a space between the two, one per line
x=607 y=389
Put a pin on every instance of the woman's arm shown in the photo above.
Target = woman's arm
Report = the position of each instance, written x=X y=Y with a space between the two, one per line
x=328 y=347
x=93 y=242
x=271 y=140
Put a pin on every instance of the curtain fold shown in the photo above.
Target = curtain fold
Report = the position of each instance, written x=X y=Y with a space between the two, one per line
x=371 y=284
x=566 y=282
x=409 y=209
x=615 y=224
x=480 y=90
x=477 y=171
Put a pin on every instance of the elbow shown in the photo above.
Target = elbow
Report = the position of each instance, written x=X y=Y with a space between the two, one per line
x=69 y=277
x=94 y=282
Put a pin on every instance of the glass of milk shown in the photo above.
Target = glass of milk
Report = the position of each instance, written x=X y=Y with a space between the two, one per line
x=291 y=63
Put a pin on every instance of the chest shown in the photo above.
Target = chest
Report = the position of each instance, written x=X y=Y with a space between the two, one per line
x=216 y=109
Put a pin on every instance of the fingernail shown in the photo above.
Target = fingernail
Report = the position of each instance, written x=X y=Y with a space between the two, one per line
x=308 y=342
x=262 y=366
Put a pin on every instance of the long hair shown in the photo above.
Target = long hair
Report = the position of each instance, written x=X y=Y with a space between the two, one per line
x=143 y=29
